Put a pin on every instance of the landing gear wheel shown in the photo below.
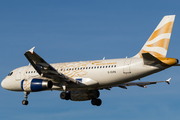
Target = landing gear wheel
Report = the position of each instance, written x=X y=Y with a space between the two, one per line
x=97 y=102
x=25 y=102
x=65 y=95
x=93 y=101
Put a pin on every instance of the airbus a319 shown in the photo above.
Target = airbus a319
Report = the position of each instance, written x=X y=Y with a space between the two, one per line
x=81 y=81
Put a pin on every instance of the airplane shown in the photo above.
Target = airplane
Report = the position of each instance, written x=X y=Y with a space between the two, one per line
x=81 y=81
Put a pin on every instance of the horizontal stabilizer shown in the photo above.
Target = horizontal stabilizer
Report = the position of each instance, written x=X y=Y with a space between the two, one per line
x=150 y=59
x=177 y=65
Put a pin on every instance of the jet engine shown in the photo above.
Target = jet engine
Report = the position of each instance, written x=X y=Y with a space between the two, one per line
x=35 y=84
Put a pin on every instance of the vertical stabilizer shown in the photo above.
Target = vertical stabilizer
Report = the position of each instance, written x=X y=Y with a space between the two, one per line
x=158 y=42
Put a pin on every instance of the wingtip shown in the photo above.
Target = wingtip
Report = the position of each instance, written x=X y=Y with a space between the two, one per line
x=31 y=50
x=168 y=81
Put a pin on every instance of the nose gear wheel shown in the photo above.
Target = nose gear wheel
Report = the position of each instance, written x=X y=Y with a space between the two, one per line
x=25 y=102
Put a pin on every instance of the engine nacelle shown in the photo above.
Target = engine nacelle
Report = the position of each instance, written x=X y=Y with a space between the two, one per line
x=35 y=84
x=84 y=95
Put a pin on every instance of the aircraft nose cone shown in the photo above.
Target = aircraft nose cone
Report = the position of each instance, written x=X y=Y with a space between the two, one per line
x=2 y=83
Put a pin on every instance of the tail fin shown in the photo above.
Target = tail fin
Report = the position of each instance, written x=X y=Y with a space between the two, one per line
x=158 y=42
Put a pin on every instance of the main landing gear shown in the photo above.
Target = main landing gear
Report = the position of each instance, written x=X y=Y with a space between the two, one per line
x=96 y=101
x=82 y=96
x=25 y=102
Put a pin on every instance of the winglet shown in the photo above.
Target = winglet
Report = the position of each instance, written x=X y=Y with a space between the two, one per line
x=168 y=81
x=31 y=50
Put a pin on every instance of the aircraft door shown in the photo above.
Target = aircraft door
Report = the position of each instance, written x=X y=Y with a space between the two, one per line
x=126 y=66
x=19 y=72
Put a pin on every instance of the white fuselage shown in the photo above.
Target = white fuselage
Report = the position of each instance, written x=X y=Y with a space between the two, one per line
x=91 y=74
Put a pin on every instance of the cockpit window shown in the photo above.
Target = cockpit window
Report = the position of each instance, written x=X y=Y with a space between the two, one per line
x=10 y=73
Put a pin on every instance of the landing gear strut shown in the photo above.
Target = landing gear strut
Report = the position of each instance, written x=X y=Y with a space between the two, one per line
x=25 y=102
x=96 y=101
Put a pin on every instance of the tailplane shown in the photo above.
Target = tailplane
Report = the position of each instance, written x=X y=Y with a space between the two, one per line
x=158 y=42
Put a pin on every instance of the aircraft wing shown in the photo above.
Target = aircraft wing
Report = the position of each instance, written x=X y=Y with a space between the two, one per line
x=44 y=69
x=142 y=84
x=139 y=84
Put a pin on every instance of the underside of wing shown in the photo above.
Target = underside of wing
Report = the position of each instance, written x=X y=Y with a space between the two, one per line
x=139 y=84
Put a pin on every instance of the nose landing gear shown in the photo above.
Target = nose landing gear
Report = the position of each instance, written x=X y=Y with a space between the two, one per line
x=25 y=102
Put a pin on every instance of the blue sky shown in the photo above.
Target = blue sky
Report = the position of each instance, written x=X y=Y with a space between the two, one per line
x=66 y=31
